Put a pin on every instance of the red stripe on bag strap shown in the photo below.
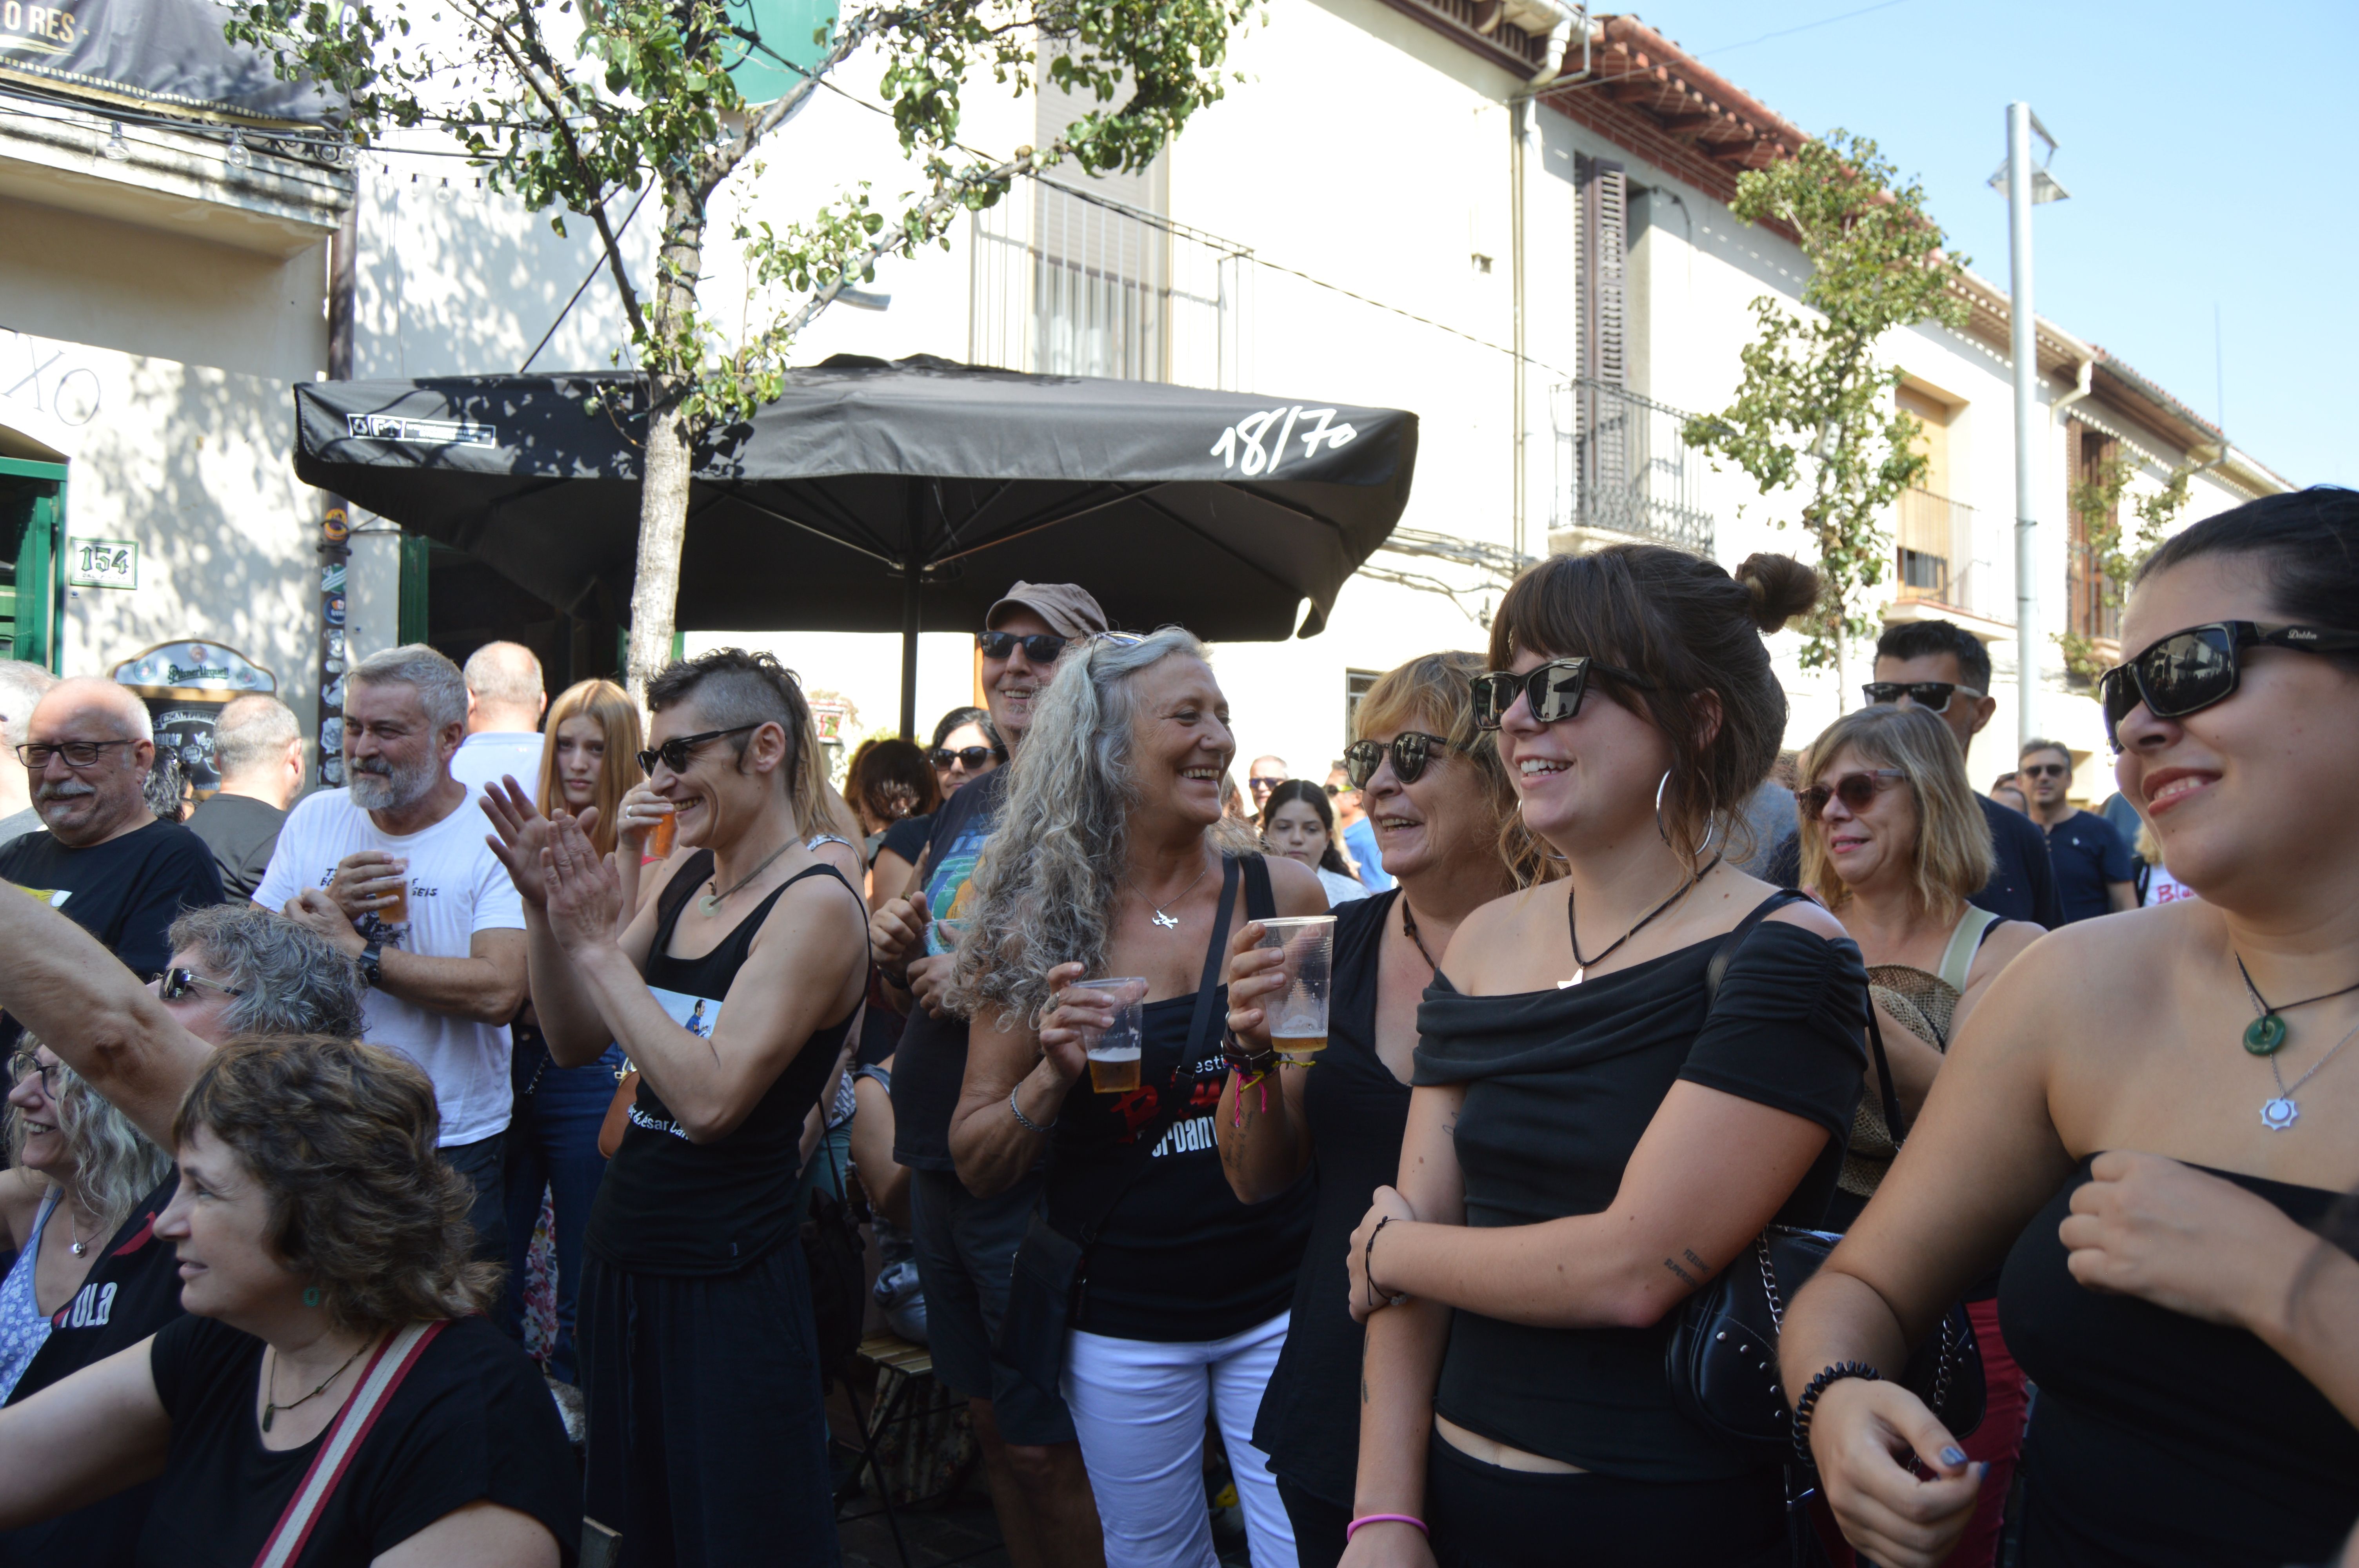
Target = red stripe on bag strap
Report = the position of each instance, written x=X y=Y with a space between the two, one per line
x=367 y=1418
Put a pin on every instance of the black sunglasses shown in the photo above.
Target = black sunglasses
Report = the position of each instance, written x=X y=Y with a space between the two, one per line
x=674 y=753
x=1854 y=790
x=972 y=756
x=1933 y=695
x=179 y=985
x=1554 y=691
x=36 y=754
x=2046 y=771
x=1040 y=647
x=1410 y=752
x=2189 y=671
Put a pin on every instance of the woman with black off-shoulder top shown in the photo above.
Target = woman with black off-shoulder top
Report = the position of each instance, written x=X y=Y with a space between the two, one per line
x=2147 y=1120
x=1592 y=1136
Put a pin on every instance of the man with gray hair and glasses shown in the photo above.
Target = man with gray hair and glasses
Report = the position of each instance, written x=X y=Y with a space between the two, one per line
x=235 y=970
x=390 y=870
x=258 y=750
x=22 y=684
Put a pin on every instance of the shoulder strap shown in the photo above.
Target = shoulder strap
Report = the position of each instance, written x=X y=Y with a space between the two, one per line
x=384 y=1374
x=1965 y=941
x=1175 y=1089
x=1261 y=903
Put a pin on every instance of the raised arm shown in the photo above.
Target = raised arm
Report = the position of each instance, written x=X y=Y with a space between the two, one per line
x=85 y=1006
x=568 y=1019
x=83 y=1439
x=1264 y=1134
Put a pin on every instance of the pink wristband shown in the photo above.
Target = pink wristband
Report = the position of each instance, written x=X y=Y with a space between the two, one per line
x=1354 y=1528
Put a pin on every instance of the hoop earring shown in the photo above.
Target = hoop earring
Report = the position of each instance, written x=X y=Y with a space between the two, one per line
x=1659 y=784
x=311 y=1295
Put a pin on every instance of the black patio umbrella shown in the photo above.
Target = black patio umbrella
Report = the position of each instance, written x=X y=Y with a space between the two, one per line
x=871 y=496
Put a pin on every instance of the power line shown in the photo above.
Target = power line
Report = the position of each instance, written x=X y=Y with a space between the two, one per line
x=1803 y=28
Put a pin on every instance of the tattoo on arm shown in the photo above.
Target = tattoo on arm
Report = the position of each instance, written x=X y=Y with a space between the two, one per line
x=1685 y=1278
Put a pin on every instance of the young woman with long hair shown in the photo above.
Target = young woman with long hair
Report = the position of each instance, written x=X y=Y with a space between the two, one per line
x=1298 y=822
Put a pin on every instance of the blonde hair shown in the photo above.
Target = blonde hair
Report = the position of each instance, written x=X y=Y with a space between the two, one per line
x=1435 y=692
x=617 y=719
x=1952 y=857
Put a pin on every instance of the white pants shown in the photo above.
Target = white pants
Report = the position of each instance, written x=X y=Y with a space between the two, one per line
x=1138 y=1409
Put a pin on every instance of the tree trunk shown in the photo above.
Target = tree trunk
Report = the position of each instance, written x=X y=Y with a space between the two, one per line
x=669 y=457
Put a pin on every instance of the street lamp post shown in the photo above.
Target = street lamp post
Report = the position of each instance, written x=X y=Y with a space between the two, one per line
x=2026 y=186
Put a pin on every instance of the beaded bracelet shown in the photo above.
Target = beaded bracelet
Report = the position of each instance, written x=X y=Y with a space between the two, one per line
x=1252 y=1068
x=1807 y=1406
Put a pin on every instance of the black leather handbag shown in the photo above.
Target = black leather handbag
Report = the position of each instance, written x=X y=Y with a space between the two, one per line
x=1723 y=1357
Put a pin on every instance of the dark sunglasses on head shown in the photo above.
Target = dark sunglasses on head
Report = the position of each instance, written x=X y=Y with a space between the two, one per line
x=1040 y=647
x=1933 y=695
x=973 y=757
x=36 y=755
x=2189 y=671
x=1854 y=790
x=1411 y=750
x=1554 y=691
x=674 y=753
x=179 y=985
x=2045 y=770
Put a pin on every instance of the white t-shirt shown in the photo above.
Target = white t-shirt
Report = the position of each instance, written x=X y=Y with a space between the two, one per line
x=1341 y=888
x=2162 y=887
x=482 y=759
x=457 y=887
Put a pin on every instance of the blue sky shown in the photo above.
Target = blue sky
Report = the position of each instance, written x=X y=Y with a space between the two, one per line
x=2204 y=147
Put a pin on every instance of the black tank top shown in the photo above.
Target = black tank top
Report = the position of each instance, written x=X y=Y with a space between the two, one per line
x=671 y=1206
x=2161 y=1440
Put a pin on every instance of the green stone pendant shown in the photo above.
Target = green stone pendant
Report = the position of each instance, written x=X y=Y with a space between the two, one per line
x=2264 y=1034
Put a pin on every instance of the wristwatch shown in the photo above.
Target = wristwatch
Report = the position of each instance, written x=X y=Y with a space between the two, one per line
x=372 y=964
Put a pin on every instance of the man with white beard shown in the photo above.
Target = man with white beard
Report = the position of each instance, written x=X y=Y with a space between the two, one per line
x=393 y=872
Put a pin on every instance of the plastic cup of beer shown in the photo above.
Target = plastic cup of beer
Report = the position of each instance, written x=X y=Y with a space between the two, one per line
x=395 y=908
x=1297 y=1015
x=1114 y=1054
x=662 y=836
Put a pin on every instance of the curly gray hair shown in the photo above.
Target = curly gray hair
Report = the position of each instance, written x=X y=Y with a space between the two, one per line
x=1043 y=891
x=114 y=1165
x=294 y=981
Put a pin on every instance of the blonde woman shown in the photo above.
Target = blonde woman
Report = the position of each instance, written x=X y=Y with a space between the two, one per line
x=1894 y=842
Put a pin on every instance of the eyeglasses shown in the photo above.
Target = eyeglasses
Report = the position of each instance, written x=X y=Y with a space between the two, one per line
x=1411 y=750
x=78 y=754
x=1263 y=781
x=2189 y=671
x=674 y=754
x=1333 y=790
x=971 y=757
x=1040 y=647
x=25 y=1062
x=1854 y=790
x=1933 y=695
x=179 y=985
x=1552 y=691
x=2046 y=771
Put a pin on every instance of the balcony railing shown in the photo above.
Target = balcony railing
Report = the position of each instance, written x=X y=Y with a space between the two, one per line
x=1067 y=283
x=1622 y=466
x=1942 y=558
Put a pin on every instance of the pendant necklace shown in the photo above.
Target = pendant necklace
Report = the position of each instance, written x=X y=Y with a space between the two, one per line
x=269 y=1408
x=2266 y=1036
x=1170 y=922
x=711 y=902
x=1581 y=966
x=76 y=1246
x=1409 y=928
x=2282 y=1113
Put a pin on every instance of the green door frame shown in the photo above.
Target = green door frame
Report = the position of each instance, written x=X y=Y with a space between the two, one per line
x=41 y=614
x=410 y=615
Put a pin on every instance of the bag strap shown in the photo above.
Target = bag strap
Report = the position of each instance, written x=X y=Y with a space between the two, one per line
x=392 y=1363
x=1718 y=967
x=1965 y=941
x=1174 y=1094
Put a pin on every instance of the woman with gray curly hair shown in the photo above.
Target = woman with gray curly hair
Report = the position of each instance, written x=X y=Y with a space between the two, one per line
x=328 y=1281
x=1106 y=863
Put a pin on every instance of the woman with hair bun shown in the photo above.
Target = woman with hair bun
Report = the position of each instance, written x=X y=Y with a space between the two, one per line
x=335 y=1334
x=1594 y=1130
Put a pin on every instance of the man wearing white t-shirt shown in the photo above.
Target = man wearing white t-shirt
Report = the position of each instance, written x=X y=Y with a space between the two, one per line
x=395 y=871
x=505 y=702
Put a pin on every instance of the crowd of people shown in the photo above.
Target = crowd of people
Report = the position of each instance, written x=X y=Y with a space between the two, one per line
x=425 y=1171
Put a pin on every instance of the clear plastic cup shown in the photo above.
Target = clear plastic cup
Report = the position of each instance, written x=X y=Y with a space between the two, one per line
x=1297 y=1015
x=1114 y=1055
x=395 y=910
x=662 y=836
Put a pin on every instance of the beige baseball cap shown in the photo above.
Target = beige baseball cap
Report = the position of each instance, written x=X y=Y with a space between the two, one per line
x=1068 y=608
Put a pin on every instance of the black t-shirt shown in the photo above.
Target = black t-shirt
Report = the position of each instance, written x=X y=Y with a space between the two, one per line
x=1560 y=1085
x=1311 y=1413
x=240 y=831
x=907 y=837
x=2022 y=884
x=131 y=1291
x=931 y=1061
x=472 y=1423
x=669 y=1207
x=126 y=892
x=2088 y=853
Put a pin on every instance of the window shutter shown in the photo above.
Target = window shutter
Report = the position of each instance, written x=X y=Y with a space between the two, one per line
x=1604 y=269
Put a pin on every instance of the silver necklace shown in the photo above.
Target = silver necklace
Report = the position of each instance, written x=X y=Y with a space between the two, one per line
x=1171 y=922
x=2282 y=1113
x=712 y=901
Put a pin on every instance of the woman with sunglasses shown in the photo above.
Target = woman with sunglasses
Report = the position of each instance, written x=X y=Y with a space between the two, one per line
x=1592 y=1136
x=2146 y=1119
x=1298 y=823
x=1445 y=810
x=965 y=748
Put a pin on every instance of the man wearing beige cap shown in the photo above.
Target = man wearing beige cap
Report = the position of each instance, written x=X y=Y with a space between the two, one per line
x=965 y=1245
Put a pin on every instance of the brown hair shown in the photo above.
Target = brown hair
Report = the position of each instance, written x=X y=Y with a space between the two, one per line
x=1435 y=692
x=618 y=718
x=1953 y=855
x=341 y=1136
x=1691 y=629
x=732 y=688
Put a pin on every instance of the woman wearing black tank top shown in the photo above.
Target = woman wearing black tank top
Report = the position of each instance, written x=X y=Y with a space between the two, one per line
x=1591 y=1139
x=731 y=990
x=2195 y=1348
x=1105 y=866
x=1445 y=819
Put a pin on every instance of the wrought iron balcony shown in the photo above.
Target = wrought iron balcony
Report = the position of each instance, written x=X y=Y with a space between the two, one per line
x=1941 y=557
x=1622 y=467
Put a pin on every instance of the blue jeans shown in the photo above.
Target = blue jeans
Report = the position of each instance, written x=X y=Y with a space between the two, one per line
x=552 y=1142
